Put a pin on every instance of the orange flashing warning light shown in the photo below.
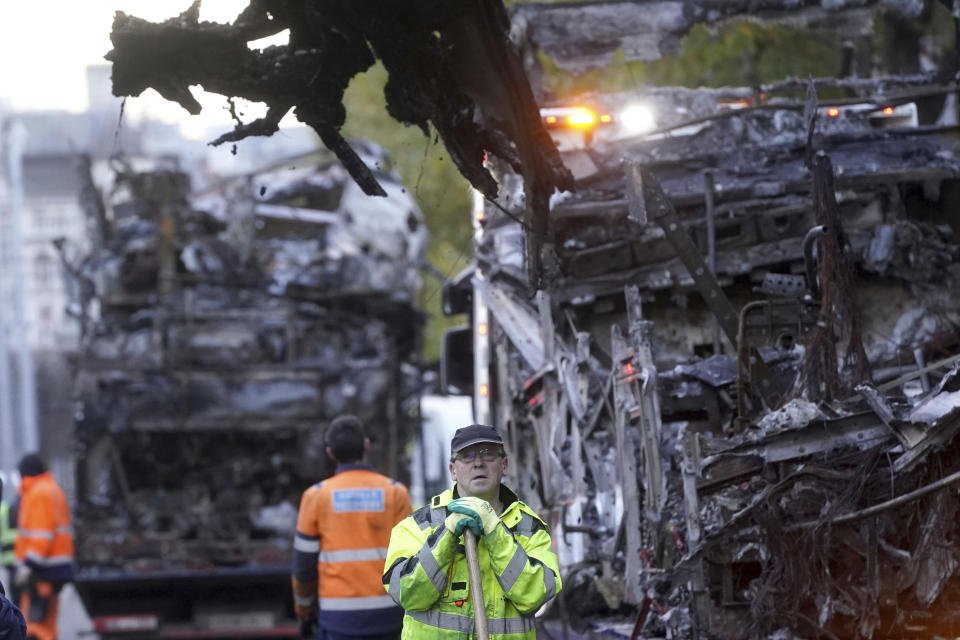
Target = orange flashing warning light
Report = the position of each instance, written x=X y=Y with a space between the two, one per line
x=628 y=369
x=581 y=117
x=606 y=117
x=888 y=111
x=484 y=390
x=833 y=112
x=482 y=328
x=551 y=119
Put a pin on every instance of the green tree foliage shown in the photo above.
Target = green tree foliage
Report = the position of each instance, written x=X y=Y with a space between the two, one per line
x=438 y=188
x=738 y=54
x=747 y=52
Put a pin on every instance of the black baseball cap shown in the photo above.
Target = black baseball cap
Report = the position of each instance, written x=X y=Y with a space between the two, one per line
x=473 y=434
x=31 y=465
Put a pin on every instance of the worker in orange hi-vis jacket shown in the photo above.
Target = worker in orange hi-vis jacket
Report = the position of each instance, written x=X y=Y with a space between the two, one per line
x=43 y=547
x=343 y=530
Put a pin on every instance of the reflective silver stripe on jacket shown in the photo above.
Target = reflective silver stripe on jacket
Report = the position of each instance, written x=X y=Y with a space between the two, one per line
x=395 y=576
x=464 y=624
x=425 y=559
x=37 y=559
x=549 y=582
x=304 y=601
x=356 y=604
x=526 y=526
x=354 y=555
x=36 y=533
x=432 y=568
x=306 y=546
x=437 y=518
x=514 y=568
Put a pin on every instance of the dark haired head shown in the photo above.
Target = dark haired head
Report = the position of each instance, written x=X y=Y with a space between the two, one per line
x=31 y=465
x=345 y=438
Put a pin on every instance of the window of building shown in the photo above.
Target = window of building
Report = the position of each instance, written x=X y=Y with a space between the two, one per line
x=46 y=323
x=44 y=270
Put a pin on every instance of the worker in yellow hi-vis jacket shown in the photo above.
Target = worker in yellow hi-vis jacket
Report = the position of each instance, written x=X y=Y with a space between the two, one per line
x=8 y=535
x=426 y=569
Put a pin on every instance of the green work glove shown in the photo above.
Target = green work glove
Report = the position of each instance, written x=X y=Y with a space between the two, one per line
x=457 y=522
x=479 y=509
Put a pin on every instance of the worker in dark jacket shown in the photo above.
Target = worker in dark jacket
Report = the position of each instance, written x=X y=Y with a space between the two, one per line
x=343 y=529
x=44 y=547
x=12 y=624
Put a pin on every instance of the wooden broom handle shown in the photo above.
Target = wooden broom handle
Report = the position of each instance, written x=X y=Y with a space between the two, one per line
x=476 y=586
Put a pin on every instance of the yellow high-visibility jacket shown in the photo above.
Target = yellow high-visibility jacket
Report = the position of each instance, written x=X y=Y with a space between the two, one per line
x=426 y=572
x=8 y=534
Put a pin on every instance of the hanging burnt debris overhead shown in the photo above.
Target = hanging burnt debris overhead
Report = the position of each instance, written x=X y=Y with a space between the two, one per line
x=450 y=64
x=742 y=374
x=222 y=331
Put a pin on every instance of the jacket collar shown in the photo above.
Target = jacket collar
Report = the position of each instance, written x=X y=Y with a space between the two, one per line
x=507 y=497
x=27 y=482
x=353 y=466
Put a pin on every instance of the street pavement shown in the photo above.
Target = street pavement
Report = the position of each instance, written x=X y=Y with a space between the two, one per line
x=74 y=623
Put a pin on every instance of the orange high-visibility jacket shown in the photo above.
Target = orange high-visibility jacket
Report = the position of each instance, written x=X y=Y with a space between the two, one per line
x=44 y=535
x=343 y=531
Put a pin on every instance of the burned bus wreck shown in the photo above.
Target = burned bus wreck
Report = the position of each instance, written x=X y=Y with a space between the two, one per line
x=736 y=392
x=223 y=329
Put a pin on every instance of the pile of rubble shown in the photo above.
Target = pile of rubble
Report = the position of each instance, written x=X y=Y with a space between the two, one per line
x=221 y=331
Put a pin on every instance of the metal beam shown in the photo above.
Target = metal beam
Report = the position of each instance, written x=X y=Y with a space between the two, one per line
x=657 y=208
x=624 y=403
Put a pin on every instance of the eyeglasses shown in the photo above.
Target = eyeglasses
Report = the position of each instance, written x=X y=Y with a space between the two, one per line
x=487 y=455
